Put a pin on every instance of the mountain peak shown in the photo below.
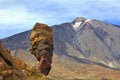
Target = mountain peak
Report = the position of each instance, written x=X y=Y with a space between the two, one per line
x=77 y=22
x=79 y=19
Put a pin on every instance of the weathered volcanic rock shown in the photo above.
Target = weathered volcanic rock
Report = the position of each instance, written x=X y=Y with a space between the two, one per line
x=8 y=69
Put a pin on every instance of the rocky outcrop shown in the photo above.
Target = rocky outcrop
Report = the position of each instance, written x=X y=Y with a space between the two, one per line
x=12 y=68
x=8 y=69
x=41 y=39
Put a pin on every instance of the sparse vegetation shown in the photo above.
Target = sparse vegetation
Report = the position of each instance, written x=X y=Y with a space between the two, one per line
x=34 y=74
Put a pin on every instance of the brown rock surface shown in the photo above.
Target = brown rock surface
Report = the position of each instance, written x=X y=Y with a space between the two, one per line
x=42 y=46
x=11 y=68
x=8 y=69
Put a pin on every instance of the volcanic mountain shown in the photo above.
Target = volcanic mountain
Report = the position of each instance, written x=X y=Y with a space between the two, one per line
x=86 y=41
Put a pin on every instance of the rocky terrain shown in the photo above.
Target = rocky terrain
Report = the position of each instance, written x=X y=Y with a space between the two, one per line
x=8 y=68
x=63 y=68
x=13 y=68
x=77 y=44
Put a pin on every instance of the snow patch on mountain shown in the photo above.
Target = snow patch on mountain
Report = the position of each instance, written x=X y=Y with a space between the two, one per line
x=76 y=25
x=88 y=20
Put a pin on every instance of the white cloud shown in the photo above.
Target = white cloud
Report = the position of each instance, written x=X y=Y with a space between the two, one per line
x=17 y=16
x=86 y=8
x=16 y=20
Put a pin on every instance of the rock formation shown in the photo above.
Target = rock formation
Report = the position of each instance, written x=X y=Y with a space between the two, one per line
x=8 y=69
x=42 y=46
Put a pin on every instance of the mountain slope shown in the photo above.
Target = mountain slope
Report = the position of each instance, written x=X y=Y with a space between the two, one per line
x=99 y=42
x=63 y=68
x=17 y=41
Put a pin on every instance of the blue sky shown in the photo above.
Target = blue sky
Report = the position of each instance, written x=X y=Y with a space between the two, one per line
x=20 y=15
